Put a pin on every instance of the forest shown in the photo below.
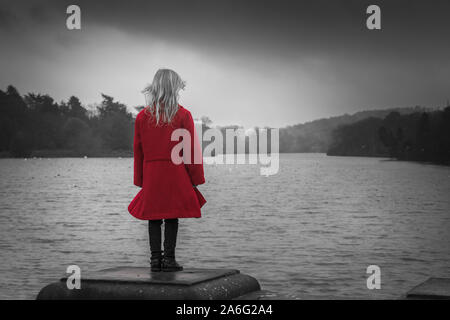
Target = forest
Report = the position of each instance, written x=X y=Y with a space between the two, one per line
x=36 y=125
x=418 y=136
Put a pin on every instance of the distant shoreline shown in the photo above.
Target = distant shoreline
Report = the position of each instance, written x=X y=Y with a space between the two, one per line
x=387 y=158
x=71 y=154
x=129 y=154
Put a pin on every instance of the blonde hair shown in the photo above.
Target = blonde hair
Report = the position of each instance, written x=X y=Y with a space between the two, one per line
x=161 y=96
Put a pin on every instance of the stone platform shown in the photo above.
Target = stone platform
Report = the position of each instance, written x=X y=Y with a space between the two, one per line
x=433 y=288
x=141 y=283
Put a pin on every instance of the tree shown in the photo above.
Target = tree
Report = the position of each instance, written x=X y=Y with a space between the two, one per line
x=78 y=136
x=115 y=124
x=76 y=110
x=21 y=145
x=206 y=121
x=108 y=107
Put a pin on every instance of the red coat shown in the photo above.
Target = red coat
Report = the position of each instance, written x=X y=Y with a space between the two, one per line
x=167 y=188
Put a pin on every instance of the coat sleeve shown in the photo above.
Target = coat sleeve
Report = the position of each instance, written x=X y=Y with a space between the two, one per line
x=195 y=170
x=138 y=155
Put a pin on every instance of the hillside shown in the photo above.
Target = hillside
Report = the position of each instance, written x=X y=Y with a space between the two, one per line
x=418 y=136
x=316 y=136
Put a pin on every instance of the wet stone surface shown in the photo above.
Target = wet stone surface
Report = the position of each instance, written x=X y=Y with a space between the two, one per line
x=186 y=277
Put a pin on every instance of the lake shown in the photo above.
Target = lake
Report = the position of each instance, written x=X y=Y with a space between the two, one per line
x=309 y=231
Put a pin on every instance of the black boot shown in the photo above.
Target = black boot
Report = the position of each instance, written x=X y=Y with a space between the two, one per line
x=154 y=232
x=170 y=239
x=155 y=263
x=170 y=264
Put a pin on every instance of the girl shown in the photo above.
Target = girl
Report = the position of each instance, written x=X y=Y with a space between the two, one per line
x=168 y=189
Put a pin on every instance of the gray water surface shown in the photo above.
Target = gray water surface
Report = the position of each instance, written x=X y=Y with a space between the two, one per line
x=308 y=232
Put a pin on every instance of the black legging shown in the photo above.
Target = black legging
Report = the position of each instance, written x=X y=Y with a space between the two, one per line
x=170 y=237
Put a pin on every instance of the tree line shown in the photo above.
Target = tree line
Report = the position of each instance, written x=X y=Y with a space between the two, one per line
x=419 y=136
x=35 y=123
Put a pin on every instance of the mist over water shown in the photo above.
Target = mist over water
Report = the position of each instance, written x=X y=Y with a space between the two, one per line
x=308 y=232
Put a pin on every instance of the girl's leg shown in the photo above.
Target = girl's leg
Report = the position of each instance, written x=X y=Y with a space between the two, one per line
x=154 y=234
x=170 y=239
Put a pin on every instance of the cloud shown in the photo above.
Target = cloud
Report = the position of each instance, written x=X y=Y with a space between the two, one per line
x=7 y=19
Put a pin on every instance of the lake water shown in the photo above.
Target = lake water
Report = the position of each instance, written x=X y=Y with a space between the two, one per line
x=308 y=232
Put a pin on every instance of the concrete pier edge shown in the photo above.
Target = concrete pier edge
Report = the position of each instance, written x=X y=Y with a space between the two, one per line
x=433 y=288
x=126 y=283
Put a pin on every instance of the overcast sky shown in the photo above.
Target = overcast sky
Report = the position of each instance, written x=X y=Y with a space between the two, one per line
x=272 y=63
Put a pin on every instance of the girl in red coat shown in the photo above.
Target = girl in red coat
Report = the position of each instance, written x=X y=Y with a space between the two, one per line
x=168 y=187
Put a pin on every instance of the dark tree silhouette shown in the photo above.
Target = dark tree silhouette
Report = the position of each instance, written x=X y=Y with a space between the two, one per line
x=420 y=136
x=36 y=124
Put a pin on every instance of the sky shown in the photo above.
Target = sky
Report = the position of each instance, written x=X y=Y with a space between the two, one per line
x=250 y=63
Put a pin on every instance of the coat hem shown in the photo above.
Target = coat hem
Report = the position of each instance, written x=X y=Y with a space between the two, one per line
x=166 y=216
